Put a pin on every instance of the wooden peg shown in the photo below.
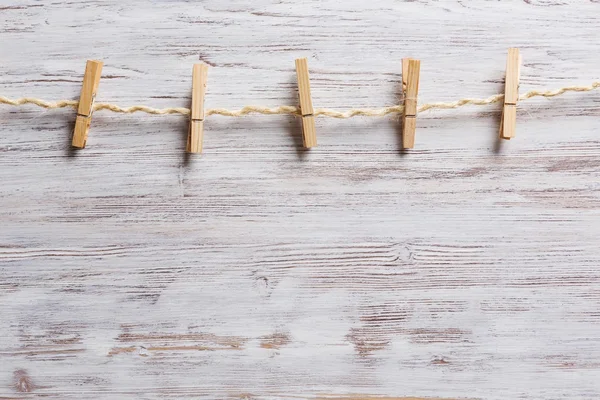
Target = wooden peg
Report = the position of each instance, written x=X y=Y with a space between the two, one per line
x=196 y=133
x=511 y=95
x=309 y=134
x=91 y=80
x=410 y=87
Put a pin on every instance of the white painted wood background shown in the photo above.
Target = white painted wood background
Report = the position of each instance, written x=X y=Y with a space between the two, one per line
x=466 y=268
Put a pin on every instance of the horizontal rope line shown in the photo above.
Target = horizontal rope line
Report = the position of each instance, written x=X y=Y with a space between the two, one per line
x=292 y=110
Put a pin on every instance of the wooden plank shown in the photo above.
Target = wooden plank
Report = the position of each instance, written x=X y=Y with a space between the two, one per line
x=467 y=268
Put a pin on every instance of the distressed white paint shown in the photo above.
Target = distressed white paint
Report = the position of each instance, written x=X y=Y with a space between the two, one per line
x=465 y=268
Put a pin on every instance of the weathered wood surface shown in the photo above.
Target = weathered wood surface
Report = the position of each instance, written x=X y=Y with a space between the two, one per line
x=466 y=268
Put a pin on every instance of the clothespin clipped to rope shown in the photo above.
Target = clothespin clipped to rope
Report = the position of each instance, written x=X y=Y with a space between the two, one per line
x=309 y=134
x=508 y=122
x=196 y=133
x=91 y=80
x=410 y=87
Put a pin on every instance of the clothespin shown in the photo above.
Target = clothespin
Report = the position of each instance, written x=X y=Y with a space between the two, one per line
x=410 y=87
x=196 y=133
x=511 y=94
x=91 y=80
x=309 y=134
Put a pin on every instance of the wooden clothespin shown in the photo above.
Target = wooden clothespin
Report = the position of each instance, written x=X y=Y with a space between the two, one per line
x=410 y=87
x=309 y=134
x=196 y=133
x=508 y=122
x=91 y=80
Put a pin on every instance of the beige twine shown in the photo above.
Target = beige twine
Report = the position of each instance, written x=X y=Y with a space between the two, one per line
x=291 y=110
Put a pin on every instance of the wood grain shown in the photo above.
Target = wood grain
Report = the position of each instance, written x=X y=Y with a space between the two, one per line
x=465 y=269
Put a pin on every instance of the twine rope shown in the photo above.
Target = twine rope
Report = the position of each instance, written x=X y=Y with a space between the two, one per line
x=292 y=110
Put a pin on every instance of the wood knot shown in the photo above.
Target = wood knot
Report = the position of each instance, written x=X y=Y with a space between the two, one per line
x=22 y=381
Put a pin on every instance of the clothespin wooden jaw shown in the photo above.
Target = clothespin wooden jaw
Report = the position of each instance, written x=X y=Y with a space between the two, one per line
x=410 y=87
x=508 y=122
x=91 y=81
x=196 y=133
x=309 y=134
